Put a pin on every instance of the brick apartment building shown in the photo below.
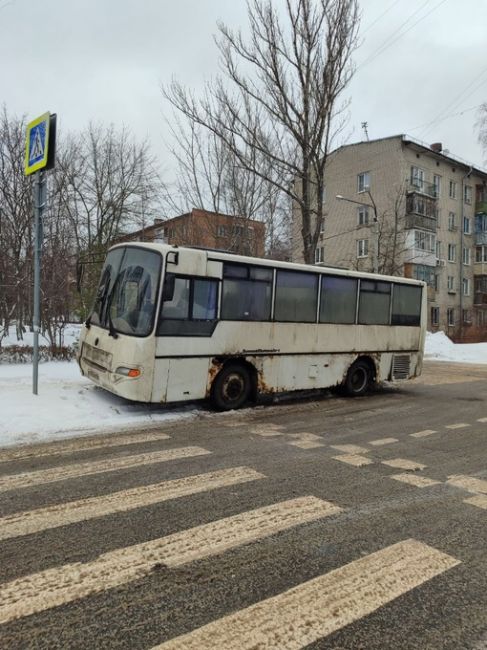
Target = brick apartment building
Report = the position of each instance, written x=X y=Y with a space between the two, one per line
x=207 y=230
x=407 y=208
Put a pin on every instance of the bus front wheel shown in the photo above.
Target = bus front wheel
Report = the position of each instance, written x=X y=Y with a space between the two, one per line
x=359 y=378
x=231 y=388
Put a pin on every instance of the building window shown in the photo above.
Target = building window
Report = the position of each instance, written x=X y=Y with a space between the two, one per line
x=363 y=182
x=221 y=231
x=481 y=253
x=451 y=221
x=437 y=185
x=436 y=282
x=424 y=241
x=466 y=287
x=319 y=254
x=467 y=194
x=450 y=315
x=363 y=215
x=362 y=248
x=424 y=273
x=435 y=316
x=466 y=256
x=438 y=249
x=451 y=283
x=452 y=252
x=417 y=177
x=466 y=317
x=322 y=226
x=323 y=194
x=453 y=190
x=466 y=225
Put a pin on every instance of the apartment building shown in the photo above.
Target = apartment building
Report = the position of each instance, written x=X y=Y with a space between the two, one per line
x=206 y=229
x=401 y=207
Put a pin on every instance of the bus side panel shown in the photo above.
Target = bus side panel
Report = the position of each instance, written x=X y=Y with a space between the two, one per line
x=177 y=380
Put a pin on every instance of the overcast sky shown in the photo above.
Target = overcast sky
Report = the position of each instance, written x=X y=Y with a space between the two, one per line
x=106 y=60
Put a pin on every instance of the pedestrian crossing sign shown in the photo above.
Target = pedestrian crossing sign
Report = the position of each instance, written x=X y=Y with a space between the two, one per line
x=37 y=144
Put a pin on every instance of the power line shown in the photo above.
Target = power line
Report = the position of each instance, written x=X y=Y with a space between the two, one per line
x=388 y=42
x=465 y=110
x=381 y=16
x=457 y=101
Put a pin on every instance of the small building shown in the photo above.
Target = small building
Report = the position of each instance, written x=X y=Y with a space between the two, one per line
x=207 y=230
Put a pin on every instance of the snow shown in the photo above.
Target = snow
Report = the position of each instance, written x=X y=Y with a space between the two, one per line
x=439 y=347
x=70 y=336
x=69 y=405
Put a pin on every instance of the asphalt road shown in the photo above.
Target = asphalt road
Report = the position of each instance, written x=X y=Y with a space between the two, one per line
x=326 y=523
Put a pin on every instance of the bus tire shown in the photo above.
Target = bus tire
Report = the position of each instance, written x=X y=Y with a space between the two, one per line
x=358 y=379
x=232 y=387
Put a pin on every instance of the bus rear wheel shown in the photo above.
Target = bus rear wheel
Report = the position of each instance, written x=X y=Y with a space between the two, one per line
x=358 y=380
x=231 y=388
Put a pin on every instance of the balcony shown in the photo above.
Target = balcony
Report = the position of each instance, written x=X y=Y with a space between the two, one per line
x=480 y=299
x=421 y=187
x=413 y=221
x=481 y=207
x=480 y=268
x=481 y=238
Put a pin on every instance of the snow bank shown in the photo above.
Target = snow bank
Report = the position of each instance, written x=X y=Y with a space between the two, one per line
x=67 y=405
x=70 y=336
x=439 y=347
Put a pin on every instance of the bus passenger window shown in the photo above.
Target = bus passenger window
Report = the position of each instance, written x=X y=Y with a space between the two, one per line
x=247 y=292
x=178 y=305
x=296 y=297
x=406 y=305
x=192 y=309
x=374 y=303
x=338 y=299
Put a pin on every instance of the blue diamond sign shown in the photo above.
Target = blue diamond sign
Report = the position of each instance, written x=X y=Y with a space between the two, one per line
x=37 y=144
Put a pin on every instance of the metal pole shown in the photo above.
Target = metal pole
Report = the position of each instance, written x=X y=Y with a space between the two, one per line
x=39 y=203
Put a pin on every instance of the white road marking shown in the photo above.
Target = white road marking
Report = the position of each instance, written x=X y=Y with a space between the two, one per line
x=33 y=521
x=307 y=441
x=458 y=425
x=479 y=500
x=39 y=477
x=482 y=420
x=59 y=449
x=403 y=463
x=417 y=481
x=383 y=441
x=353 y=459
x=267 y=430
x=319 y=607
x=350 y=449
x=60 y=585
x=423 y=434
x=469 y=483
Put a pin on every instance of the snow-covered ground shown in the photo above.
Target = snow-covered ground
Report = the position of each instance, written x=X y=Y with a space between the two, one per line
x=69 y=405
x=70 y=336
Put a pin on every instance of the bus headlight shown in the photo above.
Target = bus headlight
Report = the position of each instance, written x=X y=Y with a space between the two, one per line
x=128 y=372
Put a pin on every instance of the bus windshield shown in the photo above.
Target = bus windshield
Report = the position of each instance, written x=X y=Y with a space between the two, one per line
x=127 y=293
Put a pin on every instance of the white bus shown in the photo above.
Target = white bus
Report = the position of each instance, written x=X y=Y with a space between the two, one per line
x=173 y=324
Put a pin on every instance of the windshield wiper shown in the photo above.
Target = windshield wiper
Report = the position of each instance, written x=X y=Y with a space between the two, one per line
x=106 y=303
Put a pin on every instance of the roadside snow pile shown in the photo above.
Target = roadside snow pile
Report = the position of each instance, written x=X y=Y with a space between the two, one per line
x=20 y=350
x=67 y=405
x=439 y=347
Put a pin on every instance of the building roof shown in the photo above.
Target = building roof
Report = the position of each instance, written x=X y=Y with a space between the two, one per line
x=444 y=154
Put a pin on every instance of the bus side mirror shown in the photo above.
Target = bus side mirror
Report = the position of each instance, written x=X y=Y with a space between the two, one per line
x=168 y=290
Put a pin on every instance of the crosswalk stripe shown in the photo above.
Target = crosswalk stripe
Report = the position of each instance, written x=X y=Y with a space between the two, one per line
x=403 y=463
x=39 y=477
x=34 y=521
x=479 y=500
x=321 y=606
x=354 y=459
x=417 y=481
x=60 y=585
x=59 y=449
x=423 y=434
x=458 y=425
x=383 y=441
x=350 y=449
x=468 y=483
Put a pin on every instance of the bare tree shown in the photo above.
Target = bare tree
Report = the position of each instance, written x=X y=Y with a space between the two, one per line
x=210 y=177
x=276 y=108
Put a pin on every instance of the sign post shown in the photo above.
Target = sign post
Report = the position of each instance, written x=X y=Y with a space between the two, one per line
x=39 y=156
